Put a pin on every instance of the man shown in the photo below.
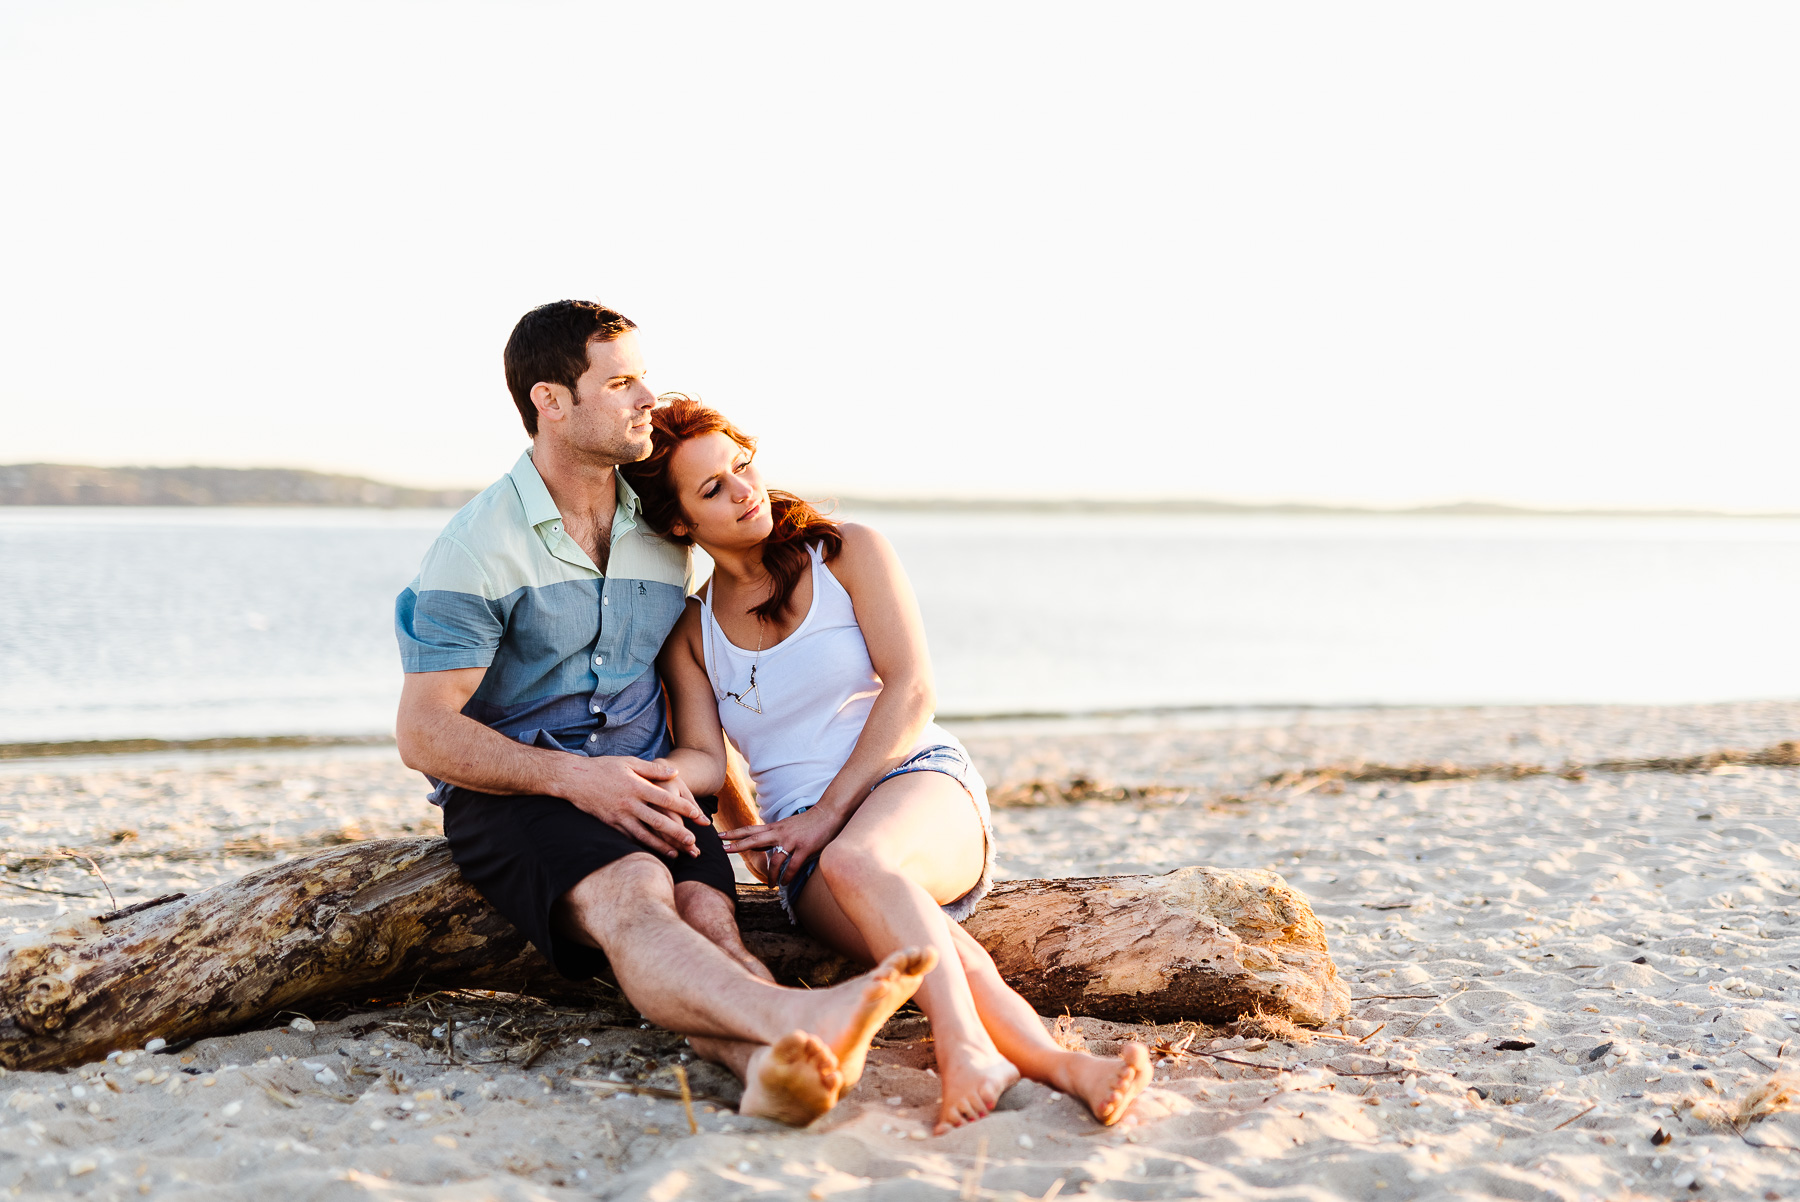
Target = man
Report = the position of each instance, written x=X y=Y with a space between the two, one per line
x=531 y=701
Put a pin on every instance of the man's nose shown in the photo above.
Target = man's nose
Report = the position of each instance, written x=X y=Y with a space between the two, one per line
x=645 y=399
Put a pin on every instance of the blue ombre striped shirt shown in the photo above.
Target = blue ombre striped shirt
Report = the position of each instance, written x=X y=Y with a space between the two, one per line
x=570 y=652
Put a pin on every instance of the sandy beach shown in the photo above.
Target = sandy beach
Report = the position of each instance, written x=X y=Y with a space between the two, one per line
x=1573 y=937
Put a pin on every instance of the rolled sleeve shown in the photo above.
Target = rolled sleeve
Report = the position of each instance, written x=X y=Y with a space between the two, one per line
x=446 y=618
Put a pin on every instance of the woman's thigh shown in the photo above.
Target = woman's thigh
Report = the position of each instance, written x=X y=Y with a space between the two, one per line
x=925 y=826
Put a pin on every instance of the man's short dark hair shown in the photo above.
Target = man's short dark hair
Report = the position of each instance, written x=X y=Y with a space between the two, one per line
x=549 y=346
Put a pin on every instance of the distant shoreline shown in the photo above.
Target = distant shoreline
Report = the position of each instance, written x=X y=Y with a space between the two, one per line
x=1193 y=506
x=62 y=484
x=54 y=485
x=973 y=724
x=55 y=750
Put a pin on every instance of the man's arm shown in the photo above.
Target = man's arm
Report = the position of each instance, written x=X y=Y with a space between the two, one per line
x=436 y=738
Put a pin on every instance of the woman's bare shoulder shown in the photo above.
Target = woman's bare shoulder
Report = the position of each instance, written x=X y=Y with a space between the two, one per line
x=686 y=631
x=867 y=556
x=863 y=541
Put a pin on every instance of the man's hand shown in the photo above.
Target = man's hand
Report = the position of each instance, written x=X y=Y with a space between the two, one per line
x=646 y=799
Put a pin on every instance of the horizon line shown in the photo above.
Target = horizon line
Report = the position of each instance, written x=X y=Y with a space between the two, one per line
x=391 y=496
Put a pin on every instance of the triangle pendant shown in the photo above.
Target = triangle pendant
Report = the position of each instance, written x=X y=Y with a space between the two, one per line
x=754 y=704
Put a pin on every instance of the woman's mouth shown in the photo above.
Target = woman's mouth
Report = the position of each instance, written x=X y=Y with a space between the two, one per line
x=751 y=512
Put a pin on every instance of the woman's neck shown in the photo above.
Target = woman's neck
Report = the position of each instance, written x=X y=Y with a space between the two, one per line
x=741 y=570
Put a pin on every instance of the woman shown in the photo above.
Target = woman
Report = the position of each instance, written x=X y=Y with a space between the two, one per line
x=874 y=822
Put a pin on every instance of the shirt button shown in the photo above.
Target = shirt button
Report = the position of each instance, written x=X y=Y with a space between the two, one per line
x=593 y=738
x=593 y=709
x=599 y=659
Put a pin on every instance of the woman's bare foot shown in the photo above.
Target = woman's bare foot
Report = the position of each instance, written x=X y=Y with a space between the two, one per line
x=850 y=1021
x=793 y=1081
x=1107 y=1086
x=974 y=1078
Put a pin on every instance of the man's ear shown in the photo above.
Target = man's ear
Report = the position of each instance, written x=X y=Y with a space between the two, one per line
x=552 y=400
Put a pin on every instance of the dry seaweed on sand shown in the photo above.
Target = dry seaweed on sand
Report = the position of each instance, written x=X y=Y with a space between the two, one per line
x=1773 y=1096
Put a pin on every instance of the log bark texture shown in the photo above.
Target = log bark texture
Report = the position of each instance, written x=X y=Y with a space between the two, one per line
x=388 y=917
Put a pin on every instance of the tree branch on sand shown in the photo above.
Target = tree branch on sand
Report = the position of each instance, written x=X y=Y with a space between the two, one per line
x=377 y=920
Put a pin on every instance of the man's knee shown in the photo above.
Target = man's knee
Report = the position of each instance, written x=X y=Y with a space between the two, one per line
x=714 y=915
x=705 y=908
x=609 y=899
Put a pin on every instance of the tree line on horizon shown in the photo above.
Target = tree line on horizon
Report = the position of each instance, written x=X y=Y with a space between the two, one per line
x=74 y=484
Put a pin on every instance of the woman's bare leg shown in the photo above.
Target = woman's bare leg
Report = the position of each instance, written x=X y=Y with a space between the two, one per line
x=1108 y=1086
x=914 y=844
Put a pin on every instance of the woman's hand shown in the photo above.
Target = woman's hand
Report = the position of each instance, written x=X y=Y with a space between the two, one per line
x=800 y=838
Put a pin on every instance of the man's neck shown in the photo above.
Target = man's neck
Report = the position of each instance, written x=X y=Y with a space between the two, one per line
x=580 y=486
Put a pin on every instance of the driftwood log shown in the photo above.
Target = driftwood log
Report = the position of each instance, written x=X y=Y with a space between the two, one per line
x=381 y=919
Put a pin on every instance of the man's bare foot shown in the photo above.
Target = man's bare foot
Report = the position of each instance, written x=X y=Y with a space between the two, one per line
x=793 y=1081
x=1109 y=1087
x=856 y=1009
x=974 y=1079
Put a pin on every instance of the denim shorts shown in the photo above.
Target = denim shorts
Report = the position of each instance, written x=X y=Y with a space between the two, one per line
x=952 y=762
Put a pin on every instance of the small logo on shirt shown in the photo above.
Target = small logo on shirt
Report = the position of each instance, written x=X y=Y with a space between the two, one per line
x=642 y=591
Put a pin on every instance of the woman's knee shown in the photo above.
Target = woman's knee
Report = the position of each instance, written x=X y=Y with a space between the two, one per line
x=850 y=863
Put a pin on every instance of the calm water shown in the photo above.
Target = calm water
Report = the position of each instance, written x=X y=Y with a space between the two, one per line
x=184 y=623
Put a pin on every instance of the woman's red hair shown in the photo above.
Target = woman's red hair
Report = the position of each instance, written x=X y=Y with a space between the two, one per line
x=797 y=522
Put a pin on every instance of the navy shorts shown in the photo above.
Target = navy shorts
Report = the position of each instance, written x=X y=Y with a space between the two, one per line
x=524 y=853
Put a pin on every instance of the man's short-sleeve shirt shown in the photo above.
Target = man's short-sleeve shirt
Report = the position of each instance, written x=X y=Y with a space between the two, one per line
x=569 y=650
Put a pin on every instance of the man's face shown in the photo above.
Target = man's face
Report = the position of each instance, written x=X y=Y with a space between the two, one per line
x=611 y=417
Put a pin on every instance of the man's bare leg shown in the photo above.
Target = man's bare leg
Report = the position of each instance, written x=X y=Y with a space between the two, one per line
x=681 y=980
x=715 y=916
x=793 y=1080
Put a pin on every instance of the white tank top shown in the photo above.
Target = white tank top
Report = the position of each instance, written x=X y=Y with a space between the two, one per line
x=815 y=689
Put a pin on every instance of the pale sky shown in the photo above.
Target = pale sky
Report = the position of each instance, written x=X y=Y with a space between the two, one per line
x=1376 y=253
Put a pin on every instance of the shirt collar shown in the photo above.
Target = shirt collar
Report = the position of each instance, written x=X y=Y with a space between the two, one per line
x=630 y=507
x=540 y=507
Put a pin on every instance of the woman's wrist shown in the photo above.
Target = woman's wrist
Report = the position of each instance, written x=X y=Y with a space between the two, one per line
x=837 y=808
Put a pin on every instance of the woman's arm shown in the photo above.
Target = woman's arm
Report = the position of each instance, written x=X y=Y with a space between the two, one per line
x=737 y=809
x=699 y=752
x=888 y=614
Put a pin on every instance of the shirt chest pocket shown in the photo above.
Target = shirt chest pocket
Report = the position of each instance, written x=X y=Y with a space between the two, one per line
x=636 y=620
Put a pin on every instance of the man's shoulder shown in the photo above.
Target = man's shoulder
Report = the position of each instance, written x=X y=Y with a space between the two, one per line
x=485 y=549
x=493 y=515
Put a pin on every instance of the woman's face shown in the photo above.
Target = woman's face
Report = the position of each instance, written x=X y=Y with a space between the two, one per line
x=723 y=502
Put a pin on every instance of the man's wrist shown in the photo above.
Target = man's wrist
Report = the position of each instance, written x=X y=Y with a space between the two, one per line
x=560 y=775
